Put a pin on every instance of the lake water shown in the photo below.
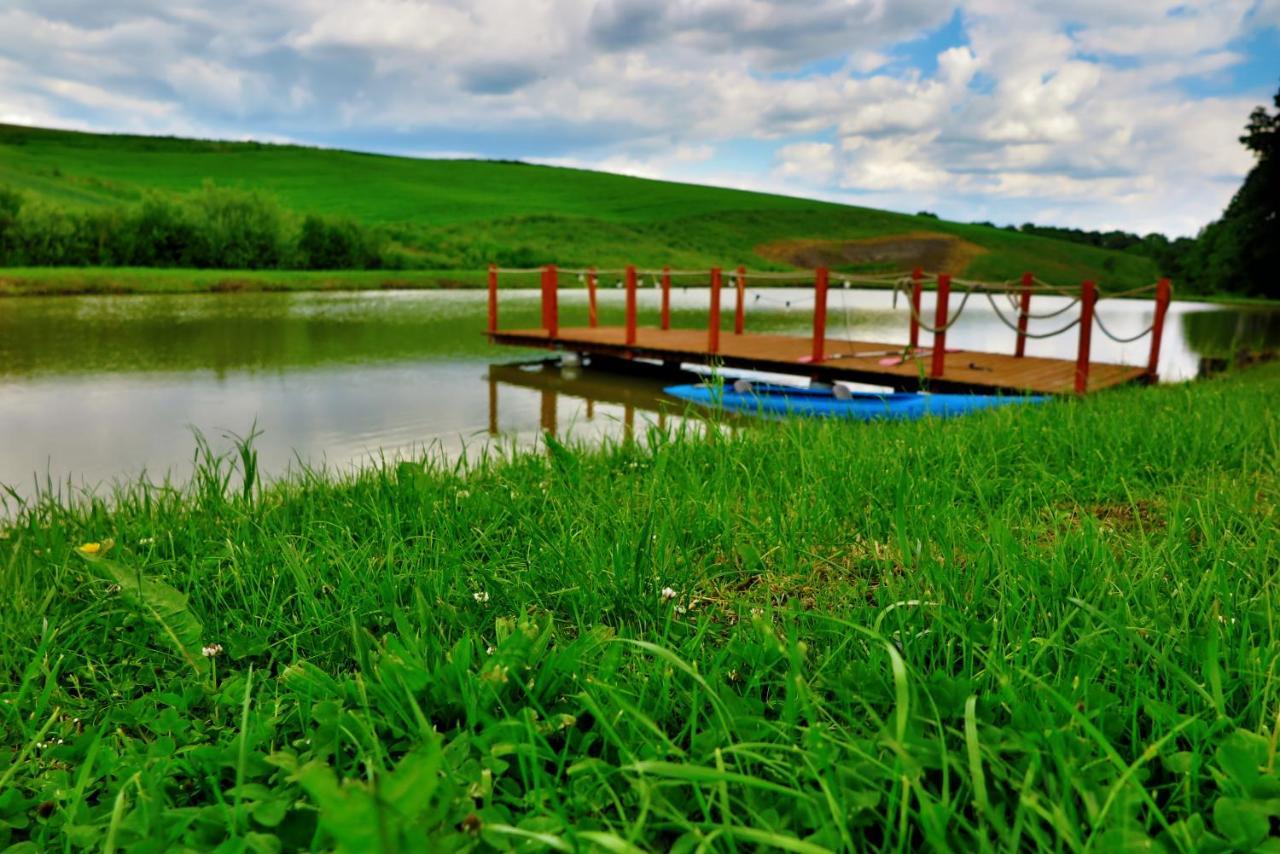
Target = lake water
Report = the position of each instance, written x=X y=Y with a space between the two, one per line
x=94 y=389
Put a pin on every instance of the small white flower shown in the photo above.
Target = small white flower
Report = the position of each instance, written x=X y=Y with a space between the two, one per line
x=668 y=594
x=113 y=588
x=680 y=609
x=147 y=541
x=480 y=596
x=464 y=493
x=213 y=650
x=489 y=650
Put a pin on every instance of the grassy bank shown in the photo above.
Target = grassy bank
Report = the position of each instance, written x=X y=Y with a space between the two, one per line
x=81 y=281
x=1051 y=627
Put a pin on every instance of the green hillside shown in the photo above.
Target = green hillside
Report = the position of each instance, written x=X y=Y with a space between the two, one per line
x=457 y=214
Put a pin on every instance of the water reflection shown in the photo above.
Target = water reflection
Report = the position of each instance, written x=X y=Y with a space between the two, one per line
x=585 y=394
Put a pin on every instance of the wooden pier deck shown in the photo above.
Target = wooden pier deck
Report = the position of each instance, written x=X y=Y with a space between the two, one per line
x=853 y=361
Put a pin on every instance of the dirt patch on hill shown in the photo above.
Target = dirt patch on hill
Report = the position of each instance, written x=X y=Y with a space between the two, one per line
x=941 y=252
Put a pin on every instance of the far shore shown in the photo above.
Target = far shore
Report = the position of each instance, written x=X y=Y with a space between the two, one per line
x=107 y=281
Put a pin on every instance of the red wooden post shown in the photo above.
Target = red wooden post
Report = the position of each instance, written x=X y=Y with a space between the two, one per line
x=1164 y=292
x=666 y=297
x=551 y=301
x=546 y=323
x=917 y=276
x=819 y=314
x=713 y=324
x=592 y=319
x=940 y=321
x=493 y=298
x=1024 y=309
x=1088 y=296
x=631 y=304
x=739 y=312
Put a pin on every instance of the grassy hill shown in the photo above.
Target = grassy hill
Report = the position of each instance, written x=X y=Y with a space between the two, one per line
x=459 y=214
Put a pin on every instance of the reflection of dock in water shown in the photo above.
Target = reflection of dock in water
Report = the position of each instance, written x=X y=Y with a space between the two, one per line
x=639 y=390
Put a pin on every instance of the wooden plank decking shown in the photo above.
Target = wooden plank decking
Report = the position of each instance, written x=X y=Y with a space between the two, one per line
x=854 y=361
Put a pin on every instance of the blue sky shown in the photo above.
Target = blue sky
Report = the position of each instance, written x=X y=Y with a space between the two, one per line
x=1088 y=113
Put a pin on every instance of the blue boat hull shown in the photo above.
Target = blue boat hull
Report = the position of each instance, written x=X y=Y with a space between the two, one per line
x=774 y=400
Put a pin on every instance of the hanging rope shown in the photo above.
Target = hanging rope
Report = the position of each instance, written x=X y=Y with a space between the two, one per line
x=1034 y=335
x=934 y=330
x=1107 y=332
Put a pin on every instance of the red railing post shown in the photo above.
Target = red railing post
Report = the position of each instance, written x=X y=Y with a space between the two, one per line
x=739 y=312
x=552 y=302
x=493 y=298
x=917 y=276
x=666 y=297
x=546 y=323
x=592 y=319
x=713 y=323
x=1088 y=296
x=940 y=322
x=1164 y=293
x=631 y=304
x=820 y=278
x=1024 y=309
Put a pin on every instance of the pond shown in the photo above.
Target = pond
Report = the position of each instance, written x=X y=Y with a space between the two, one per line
x=95 y=389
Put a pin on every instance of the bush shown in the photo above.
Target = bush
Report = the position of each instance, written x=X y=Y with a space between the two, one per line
x=338 y=244
x=238 y=229
x=215 y=227
x=160 y=232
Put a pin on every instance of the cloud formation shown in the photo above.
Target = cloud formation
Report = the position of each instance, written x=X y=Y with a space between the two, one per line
x=1081 y=112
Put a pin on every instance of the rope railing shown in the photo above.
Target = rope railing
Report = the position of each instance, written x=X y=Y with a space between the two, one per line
x=1097 y=318
x=1036 y=335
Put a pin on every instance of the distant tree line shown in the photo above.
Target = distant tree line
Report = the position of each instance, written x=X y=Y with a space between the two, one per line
x=1239 y=253
x=214 y=227
x=1173 y=257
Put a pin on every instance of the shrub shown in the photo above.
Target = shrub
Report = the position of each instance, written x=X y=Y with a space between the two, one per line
x=327 y=243
x=238 y=229
x=160 y=232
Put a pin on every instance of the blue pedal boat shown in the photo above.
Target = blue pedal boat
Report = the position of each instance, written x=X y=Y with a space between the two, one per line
x=779 y=400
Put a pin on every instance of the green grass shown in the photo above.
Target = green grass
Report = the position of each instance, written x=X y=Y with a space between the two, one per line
x=454 y=214
x=1052 y=627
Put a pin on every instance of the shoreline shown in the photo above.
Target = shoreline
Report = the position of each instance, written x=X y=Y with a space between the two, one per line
x=16 y=283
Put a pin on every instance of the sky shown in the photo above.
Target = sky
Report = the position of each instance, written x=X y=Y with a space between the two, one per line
x=1085 y=113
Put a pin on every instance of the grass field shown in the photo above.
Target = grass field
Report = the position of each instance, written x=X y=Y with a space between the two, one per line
x=462 y=215
x=1050 y=627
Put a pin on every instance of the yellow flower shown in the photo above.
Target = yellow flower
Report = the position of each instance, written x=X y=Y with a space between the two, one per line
x=90 y=549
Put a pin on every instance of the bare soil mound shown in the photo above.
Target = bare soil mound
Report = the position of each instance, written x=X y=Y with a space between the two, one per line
x=940 y=252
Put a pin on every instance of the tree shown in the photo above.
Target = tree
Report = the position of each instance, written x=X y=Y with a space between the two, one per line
x=1241 y=251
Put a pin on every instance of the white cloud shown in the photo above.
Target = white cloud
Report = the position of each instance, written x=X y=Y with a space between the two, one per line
x=1073 y=106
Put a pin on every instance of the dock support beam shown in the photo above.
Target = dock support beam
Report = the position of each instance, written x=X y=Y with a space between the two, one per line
x=493 y=298
x=713 y=324
x=1088 y=296
x=820 y=281
x=666 y=297
x=917 y=276
x=1024 y=309
x=1164 y=292
x=940 y=324
x=550 y=308
x=739 y=311
x=631 y=304
x=593 y=319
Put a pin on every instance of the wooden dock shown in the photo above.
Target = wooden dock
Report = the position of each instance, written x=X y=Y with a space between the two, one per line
x=903 y=367
x=853 y=361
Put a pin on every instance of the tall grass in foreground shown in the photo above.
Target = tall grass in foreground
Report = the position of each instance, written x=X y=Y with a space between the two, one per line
x=1047 y=627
